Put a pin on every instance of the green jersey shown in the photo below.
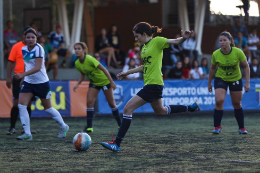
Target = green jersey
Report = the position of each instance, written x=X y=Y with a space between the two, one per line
x=89 y=67
x=228 y=64
x=152 y=53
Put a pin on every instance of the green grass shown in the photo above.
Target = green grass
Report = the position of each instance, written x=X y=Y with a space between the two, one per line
x=174 y=143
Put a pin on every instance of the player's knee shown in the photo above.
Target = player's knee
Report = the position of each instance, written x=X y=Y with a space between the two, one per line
x=219 y=102
x=237 y=105
x=128 y=110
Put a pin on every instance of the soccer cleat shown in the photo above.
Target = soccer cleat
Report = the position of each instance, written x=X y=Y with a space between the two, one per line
x=242 y=131
x=63 y=132
x=24 y=137
x=111 y=145
x=194 y=107
x=217 y=130
x=88 y=130
x=11 y=131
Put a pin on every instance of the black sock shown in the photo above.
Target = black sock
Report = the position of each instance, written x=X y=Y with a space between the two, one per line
x=115 y=112
x=218 y=114
x=14 y=116
x=29 y=111
x=123 y=128
x=176 y=109
x=239 y=114
x=90 y=114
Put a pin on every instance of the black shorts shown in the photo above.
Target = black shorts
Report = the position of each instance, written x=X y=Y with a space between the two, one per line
x=42 y=90
x=150 y=93
x=62 y=52
x=233 y=86
x=104 y=88
x=16 y=89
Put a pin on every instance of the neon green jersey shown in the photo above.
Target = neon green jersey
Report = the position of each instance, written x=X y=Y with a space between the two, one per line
x=152 y=53
x=228 y=64
x=89 y=67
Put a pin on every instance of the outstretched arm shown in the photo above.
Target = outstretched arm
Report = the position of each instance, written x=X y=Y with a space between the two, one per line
x=135 y=70
x=185 y=35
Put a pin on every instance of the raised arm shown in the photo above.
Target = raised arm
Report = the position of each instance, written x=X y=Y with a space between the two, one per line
x=135 y=70
x=185 y=35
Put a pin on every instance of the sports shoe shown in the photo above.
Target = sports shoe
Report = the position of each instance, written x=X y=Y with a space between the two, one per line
x=88 y=130
x=24 y=137
x=194 y=107
x=217 y=130
x=242 y=131
x=63 y=131
x=11 y=131
x=111 y=145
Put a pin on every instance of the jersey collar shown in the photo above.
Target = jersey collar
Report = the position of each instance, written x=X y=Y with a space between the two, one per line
x=225 y=53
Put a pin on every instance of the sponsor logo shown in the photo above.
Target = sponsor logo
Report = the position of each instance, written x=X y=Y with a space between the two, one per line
x=118 y=95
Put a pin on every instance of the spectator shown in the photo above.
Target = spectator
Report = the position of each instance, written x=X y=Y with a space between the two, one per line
x=115 y=41
x=102 y=46
x=241 y=43
x=56 y=40
x=176 y=53
x=101 y=59
x=253 y=42
x=134 y=53
x=239 y=27
x=176 y=72
x=205 y=68
x=189 y=47
x=186 y=68
x=196 y=71
x=131 y=65
x=10 y=38
x=254 y=69
x=33 y=25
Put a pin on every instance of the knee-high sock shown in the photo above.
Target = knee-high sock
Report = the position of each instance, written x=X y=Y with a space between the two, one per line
x=24 y=117
x=176 y=109
x=123 y=128
x=239 y=114
x=14 y=116
x=90 y=114
x=116 y=115
x=218 y=114
x=56 y=116
x=29 y=111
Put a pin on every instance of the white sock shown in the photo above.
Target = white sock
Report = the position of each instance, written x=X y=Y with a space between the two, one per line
x=24 y=117
x=56 y=116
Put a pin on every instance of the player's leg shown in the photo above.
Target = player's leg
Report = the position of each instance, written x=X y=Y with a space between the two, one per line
x=134 y=103
x=236 y=98
x=112 y=104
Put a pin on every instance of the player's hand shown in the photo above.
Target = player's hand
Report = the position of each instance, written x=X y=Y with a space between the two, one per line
x=75 y=88
x=210 y=87
x=9 y=83
x=18 y=76
x=121 y=75
x=186 y=34
x=247 y=87
x=113 y=85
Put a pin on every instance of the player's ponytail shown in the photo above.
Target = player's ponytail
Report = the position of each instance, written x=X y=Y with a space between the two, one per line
x=144 y=27
x=229 y=36
x=83 y=45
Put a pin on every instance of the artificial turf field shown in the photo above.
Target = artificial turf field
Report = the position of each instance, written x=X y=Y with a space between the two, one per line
x=173 y=143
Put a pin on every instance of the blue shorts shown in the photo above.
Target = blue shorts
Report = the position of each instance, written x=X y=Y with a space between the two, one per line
x=104 y=88
x=42 y=90
x=233 y=86
x=150 y=93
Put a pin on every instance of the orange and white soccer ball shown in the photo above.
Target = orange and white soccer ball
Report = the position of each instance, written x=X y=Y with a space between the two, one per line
x=82 y=141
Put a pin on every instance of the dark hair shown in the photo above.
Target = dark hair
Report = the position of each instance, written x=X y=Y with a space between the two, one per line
x=110 y=29
x=144 y=27
x=30 y=30
x=83 y=45
x=203 y=60
x=8 y=21
x=194 y=62
x=252 y=29
x=229 y=36
x=25 y=29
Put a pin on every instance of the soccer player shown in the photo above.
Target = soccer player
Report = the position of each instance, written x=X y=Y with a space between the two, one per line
x=151 y=53
x=99 y=78
x=16 y=57
x=36 y=83
x=226 y=60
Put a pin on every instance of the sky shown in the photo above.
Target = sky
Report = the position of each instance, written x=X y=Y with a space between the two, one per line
x=228 y=7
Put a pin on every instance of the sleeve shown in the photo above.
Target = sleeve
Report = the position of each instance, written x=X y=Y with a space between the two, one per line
x=125 y=68
x=200 y=70
x=51 y=35
x=161 y=42
x=241 y=55
x=62 y=39
x=94 y=62
x=213 y=59
x=13 y=53
x=39 y=53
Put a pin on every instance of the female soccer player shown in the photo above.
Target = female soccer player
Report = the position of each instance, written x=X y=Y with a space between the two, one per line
x=228 y=59
x=36 y=83
x=151 y=53
x=99 y=78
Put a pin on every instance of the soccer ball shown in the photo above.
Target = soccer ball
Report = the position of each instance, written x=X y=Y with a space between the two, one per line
x=81 y=141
